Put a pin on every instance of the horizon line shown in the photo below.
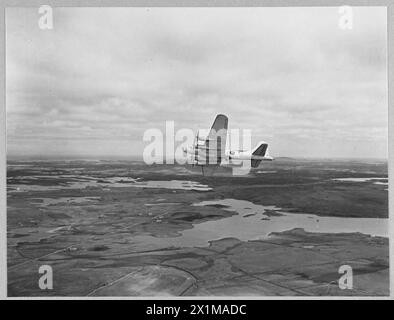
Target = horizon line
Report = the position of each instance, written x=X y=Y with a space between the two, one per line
x=139 y=158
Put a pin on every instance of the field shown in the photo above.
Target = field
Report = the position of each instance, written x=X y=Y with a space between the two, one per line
x=122 y=228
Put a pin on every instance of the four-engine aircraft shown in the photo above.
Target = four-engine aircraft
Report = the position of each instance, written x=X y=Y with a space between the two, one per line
x=210 y=152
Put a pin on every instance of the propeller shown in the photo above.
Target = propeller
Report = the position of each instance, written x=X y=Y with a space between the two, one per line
x=195 y=144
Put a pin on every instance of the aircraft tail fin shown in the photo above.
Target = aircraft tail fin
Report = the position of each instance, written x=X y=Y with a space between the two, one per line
x=259 y=151
x=255 y=163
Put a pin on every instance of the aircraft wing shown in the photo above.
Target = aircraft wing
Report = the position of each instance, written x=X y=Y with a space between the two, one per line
x=213 y=150
x=216 y=139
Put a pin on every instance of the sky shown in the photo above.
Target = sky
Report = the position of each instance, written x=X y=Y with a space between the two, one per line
x=92 y=85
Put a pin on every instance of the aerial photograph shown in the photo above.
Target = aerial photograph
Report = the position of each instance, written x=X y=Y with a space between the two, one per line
x=209 y=152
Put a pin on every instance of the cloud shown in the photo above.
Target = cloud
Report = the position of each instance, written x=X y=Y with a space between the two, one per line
x=106 y=75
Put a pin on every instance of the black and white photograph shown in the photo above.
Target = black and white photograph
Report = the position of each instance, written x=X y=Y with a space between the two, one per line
x=197 y=152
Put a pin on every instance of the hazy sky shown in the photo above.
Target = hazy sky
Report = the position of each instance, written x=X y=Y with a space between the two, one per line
x=101 y=77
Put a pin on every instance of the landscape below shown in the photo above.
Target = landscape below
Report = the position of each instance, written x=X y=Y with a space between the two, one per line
x=122 y=228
